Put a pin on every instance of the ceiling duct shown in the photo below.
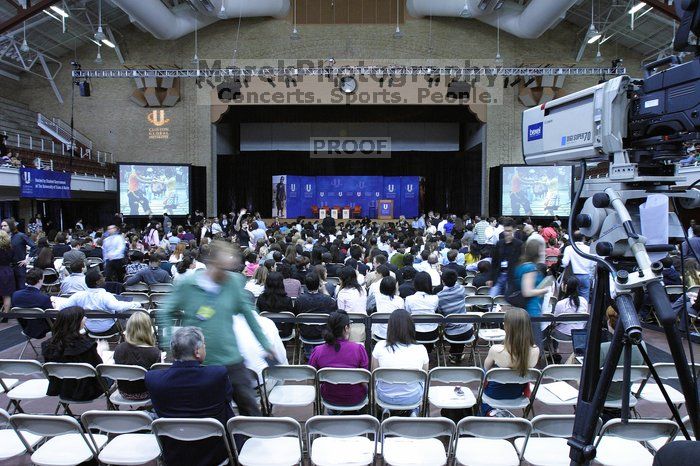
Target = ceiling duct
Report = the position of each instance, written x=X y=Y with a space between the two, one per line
x=528 y=22
x=172 y=23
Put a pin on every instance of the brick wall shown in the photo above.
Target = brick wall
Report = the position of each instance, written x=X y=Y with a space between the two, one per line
x=117 y=125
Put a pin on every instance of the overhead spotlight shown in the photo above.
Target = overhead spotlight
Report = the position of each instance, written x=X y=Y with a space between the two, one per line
x=25 y=46
x=465 y=13
x=59 y=11
x=331 y=61
x=100 y=35
x=347 y=84
x=592 y=35
x=498 y=6
x=98 y=58
x=195 y=59
x=108 y=43
x=397 y=33
x=598 y=56
x=222 y=11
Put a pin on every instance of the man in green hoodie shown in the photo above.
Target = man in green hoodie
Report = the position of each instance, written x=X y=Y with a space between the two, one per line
x=209 y=299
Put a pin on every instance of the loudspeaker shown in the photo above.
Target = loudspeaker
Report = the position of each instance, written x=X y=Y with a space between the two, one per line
x=84 y=88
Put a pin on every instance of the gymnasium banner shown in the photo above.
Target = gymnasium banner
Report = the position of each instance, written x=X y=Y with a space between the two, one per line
x=44 y=184
x=294 y=196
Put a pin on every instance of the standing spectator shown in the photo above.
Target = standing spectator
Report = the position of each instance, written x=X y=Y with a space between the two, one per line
x=423 y=302
x=400 y=351
x=526 y=280
x=138 y=349
x=451 y=302
x=19 y=243
x=167 y=224
x=505 y=257
x=113 y=250
x=189 y=389
x=339 y=352
x=518 y=352
x=209 y=300
x=580 y=266
x=7 y=277
x=552 y=252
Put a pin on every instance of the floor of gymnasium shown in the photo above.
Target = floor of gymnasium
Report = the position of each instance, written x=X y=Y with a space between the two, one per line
x=11 y=342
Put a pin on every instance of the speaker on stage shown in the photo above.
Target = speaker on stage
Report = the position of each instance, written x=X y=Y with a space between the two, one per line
x=84 y=87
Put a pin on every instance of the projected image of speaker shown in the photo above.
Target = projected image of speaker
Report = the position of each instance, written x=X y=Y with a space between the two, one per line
x=540 y=191
x=154 y=189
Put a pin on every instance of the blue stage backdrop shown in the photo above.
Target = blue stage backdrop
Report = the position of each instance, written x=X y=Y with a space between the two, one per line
x=44 y=184
x=293 y=195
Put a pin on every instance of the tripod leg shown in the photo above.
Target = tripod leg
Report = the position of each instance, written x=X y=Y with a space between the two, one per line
x=660 y=301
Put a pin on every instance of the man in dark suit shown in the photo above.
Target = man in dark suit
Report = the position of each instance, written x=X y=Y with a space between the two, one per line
x=452 y=264
x=60 y=247
x=332 y=269
x=190 y=390
x=31 y=296
x=314 y=301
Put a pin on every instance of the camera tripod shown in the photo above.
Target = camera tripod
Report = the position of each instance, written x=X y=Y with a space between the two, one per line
x=638 y=272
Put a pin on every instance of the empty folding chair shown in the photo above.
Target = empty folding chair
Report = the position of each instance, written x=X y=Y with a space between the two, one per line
x=480 y=303
x=52 y=281
x=13 y=443
x=140 y=286
x=547 y=445
x=500 y=300
x=30 y=313
x=123 y=373
x=483 y=290
x=158 y=299
x=637 y=375
x=192 y=430
x=33 y=388
x=416 y=441
x=67 y=444
x=468 y=344
x=274 y=441
x=131 y=445
x=619 y=442
x=384 y=377
x=469 y=289
x=505 y=375
x=284 y=394
x=76 y=371
x=649 y=391
x=657 y=443
x=137 y=297
x=455 y=394
x=161 y=287
x=557 y=391
x=343 y=378
x=332 y=437
x=487 y=441
x=491 y=328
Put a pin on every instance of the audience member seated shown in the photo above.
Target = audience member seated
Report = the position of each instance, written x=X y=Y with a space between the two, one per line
x=178 y=253
x=190 y=390
x=571 y=304
x=31 y=296
x=518 y=352
x=692 y=271
x=75 y=281
x=406 y=288
x=68 y=343
x=44 y=258
x=138 y=349
x=352 y=298
x=483 y=274
x=552 y=250
x=74 y=255
x=325 y=286
x=452 y=264
x=256 y=285
x=451 y=302
x=275 y=299
x=150 y=275
x=254 y=355
x=400 y=351
x=60 y=247
x=373 y=290
x=136 y=264
x=387 y=301
x=96 y=298
x=339 y=352
x=312 y=300
x=291 y=285
x=433 y=269
x=332 y=268
x=184 y=268
x=423 y=302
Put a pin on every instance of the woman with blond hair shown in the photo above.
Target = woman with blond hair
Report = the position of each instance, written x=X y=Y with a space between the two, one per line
x=177 y=254
x=692 y=272
x=139 y=349
x=7 y=277
x=256 y=285
x=518 y=352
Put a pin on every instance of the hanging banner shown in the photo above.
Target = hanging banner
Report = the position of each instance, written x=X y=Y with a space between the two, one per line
x=44 y=184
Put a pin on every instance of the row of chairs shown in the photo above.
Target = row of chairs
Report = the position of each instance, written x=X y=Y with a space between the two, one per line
x=142 y=287
x=132 y=438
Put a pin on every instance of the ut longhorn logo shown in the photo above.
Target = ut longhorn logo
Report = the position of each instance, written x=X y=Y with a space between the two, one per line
x=27 y=177
x=157 y=118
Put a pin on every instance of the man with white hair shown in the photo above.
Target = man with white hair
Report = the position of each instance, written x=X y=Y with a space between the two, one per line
x=434 y=269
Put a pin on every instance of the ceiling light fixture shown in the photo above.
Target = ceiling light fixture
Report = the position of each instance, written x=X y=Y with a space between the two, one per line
x=98 y=58
x=222 y=11
x=25 y=46
x=195 y=58
x=295 y=32
x=108 y=43
x=636 y=8
x=498 y=60
x=59 y=11
x=397 y=32
x=99 y=35
x=465 y=13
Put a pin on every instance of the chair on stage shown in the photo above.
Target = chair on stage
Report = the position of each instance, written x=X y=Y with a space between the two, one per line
x=357 y=211
x=314 y=211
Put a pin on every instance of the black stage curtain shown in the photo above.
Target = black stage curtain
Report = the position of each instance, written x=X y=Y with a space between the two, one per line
x=452 y=179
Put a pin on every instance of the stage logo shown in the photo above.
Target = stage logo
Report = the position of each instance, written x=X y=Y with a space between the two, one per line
x=350 y=148
x=158 y=120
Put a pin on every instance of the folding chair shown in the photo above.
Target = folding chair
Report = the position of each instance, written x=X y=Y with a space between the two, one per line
x=341 y=376
x=13 y=443
x=346 y=437
x=455 y=394
x=137 y=297
x=547 y=444
x=390 y=376
x=558 y=392
x=333 y=280
x=117 y=332
x=310 y=319
x=657 y=443
x=67 y=444
x=158 y=299
x=52 y=280
x=30 y=313
x=468 y=344
x=430 y=319
x=282 y=394
x=94 y=262
x=505 y=375
x=482 y=303
x=470 y=290
x=122 y=372
x=75 y=371
x=379 y=323
x=128 y=447
x=16 y=391
x=161 y=288
x=140 y=287
x=191 y=430
x=491 y=332
x=488 y=442
x=500 y=300
x=161 y=366
x=619 y=442
x=649 y=391
x=637 y=375
x=275 y=441
x=285 y=338
x=411 y=441
x=552 y=338
x=483 y=290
